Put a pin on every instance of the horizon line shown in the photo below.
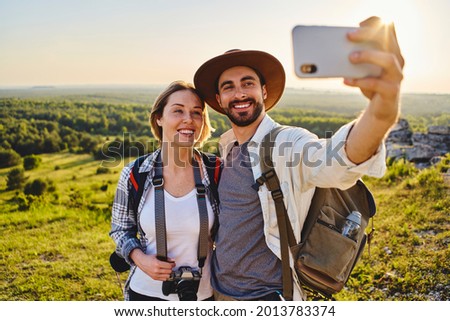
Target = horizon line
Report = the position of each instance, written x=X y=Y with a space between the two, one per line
x=130 y=86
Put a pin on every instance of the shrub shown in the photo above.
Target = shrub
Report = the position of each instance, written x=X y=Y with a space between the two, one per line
x=39 y=187
x=9 y=158
x=36 y=187
x=399 y=169
x=103 y=170
x=31 y=162
x=444 y=165
x=23 y=201
x=15 y=179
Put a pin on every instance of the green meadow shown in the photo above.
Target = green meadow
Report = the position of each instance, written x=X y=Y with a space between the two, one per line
x=55 y=245
x=58 y=249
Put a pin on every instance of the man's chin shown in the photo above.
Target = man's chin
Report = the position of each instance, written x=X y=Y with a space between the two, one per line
x=243 y=119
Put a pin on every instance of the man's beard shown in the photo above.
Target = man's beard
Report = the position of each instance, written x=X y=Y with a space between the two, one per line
x=244 y=118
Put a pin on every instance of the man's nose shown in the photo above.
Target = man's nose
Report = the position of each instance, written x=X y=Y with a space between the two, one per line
x=240 y=93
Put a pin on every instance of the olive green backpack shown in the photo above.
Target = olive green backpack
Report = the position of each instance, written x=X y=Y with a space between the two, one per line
x=324 y=258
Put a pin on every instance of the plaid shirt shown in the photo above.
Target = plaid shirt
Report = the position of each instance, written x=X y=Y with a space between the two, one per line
x=125 y=231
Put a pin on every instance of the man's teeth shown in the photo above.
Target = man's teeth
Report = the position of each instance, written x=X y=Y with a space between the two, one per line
x=242 y=105
x=186 y=131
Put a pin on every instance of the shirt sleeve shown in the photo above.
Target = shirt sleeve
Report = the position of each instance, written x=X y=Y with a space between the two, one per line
x=123 y=225
x=374 y=166
x=324 y=162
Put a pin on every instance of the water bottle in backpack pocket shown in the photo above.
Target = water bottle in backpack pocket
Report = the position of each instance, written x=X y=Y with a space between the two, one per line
x=333 y=238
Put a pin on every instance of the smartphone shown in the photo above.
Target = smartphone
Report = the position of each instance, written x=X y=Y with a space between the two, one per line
x=323 y=51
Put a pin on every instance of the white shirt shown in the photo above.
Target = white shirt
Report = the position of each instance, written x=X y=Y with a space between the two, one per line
x=182 y=225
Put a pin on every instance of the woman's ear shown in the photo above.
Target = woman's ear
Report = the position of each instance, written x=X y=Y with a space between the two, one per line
x=158 y=121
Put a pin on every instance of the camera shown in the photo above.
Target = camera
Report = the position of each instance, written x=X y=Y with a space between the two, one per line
x=184 y=282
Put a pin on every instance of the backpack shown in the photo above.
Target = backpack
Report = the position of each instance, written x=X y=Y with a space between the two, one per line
x=137 y=180
x=324 y=258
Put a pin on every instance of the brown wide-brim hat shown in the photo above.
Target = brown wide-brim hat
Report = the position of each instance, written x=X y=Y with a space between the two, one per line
x=269 y=67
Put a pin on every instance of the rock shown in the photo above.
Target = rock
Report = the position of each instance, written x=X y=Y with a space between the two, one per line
x=395 y=152
x=440 y=130
x=420 y=153
x=402 y=124
x=419 y=148
x=435 y=160
x=440 y=142
x=400 y=133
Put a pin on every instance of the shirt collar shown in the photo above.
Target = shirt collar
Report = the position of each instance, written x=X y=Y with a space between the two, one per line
x=148 y=164
x=228 y=139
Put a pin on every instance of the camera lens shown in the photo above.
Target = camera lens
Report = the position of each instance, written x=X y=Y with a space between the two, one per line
x=186 y=291
x=308 y=68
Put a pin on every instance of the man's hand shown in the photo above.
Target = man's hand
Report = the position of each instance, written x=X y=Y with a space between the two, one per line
x=383 y=91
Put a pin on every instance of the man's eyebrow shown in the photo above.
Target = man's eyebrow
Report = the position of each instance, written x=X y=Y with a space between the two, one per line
x=248 y=78
x=226 y=82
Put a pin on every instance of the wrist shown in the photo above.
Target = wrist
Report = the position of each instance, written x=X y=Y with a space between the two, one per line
x=136 y=255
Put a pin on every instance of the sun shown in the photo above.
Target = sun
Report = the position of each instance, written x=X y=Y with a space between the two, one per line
x=411 y=19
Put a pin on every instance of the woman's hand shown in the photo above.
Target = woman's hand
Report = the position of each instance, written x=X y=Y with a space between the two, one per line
x=156 y=269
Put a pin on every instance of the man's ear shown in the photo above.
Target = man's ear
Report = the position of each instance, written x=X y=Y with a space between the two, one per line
x=264 y=92
x=218 y=100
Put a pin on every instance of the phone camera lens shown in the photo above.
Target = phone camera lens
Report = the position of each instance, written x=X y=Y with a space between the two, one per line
x=308 y=68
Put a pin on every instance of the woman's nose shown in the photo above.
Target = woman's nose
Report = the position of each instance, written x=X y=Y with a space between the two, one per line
x=187 y=118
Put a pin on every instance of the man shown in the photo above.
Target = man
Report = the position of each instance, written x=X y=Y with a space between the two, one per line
x=244 y=85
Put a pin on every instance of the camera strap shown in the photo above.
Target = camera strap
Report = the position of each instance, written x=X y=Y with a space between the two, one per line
x=160 y=214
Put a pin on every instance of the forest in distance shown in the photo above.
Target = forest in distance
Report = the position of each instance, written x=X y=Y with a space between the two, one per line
x=56 y=196
x=89 y=120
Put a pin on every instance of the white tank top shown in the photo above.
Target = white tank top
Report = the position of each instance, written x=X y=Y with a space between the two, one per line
x=182 y=225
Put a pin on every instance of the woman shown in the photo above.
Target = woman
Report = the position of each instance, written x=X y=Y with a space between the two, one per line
x=179 y=120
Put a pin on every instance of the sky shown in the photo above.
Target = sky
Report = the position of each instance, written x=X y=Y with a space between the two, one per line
x=154 y=42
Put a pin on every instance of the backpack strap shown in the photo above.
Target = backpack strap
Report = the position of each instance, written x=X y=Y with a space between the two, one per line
x=136 y=186
x=270 y=178
x=160 y=213
x=214 y=167
x=202 y=251
x=135 y=189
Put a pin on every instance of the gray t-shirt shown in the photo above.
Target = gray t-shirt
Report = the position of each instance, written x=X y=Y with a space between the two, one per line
x=242 y=265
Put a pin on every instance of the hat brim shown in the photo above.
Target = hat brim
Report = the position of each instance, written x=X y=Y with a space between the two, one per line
x=206 y=77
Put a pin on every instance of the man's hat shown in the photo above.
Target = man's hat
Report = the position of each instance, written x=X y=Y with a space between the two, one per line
x=266 y=65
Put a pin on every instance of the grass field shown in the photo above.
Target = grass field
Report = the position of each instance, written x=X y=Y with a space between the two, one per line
x=58 y=249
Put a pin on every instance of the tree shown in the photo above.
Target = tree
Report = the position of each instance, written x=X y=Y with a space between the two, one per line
x=9 y=158
x=36 y=187
x=15 y=179
x=30 y=162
